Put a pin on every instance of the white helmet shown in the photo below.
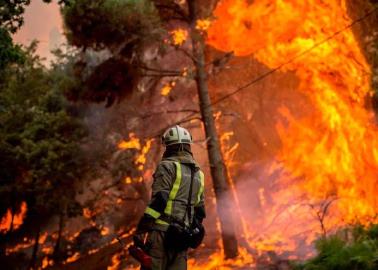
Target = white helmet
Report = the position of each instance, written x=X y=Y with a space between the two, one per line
x=176 y=135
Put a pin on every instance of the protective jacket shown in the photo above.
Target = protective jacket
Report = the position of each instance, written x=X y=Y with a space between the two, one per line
x=170 y=190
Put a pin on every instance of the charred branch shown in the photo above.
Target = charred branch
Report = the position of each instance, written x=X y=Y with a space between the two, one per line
x=321 y=211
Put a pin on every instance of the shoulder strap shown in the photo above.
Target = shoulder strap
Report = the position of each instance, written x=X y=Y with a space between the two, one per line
x=202 y=187
x=174 y=190
x=189 y=205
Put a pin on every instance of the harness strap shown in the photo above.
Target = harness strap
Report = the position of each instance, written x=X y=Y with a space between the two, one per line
x=202 y=187
x=174 y=190
x=189 y=205
x=172 y=194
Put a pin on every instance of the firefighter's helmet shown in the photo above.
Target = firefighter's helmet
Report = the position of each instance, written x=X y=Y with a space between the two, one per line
x=176 y=135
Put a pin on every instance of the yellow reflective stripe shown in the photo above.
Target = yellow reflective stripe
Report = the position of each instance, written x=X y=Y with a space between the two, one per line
x=153 y=213
x=161 y=222
x=202 y=187
x=174 y=190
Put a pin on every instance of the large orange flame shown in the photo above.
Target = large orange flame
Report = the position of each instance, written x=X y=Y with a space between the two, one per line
x=330 y=152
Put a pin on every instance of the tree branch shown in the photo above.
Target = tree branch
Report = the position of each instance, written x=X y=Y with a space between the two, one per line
x=168 y=112
x=186 y=53
x=176 y=9
x=321 y=213
x=158 y=70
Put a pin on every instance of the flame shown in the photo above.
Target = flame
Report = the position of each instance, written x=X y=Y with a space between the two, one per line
x=203 y=24
x=330 y=152
x=166 y=90
x=47 y=250
x=105 y=231
x=179 y=36
x=141 y=159
x=73 y=258
x=42 y=238
x=18 y=219
x=116 y=261
x=216 y=261
x=87 y=213
x=46 y=262
x=132 y=143
x=27 y=243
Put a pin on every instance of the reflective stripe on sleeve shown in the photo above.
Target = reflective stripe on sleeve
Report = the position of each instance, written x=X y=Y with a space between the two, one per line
x=202 y=187
x=161 y=222
x=153 y=213
x=174 y=190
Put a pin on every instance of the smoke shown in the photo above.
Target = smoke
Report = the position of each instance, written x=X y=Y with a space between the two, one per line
x=277 y=217
x=43 y=22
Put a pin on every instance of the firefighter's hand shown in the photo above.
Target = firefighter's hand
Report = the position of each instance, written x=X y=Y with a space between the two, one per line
x=145 y=224
x=139 y=238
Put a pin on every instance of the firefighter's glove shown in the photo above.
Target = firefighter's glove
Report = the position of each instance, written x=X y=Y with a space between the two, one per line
x=145 y=224
x=199 y=213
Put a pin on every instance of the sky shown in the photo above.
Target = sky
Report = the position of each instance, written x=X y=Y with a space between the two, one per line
x=43 y=23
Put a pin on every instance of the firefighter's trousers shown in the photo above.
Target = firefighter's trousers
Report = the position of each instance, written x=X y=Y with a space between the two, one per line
x=163 y=259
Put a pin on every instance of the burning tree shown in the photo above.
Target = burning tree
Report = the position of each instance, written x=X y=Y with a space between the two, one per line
x=167 y=25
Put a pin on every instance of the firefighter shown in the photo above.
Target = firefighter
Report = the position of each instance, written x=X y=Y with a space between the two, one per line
x=177 y=200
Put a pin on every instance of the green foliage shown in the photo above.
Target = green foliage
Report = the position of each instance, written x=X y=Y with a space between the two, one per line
x=42 y=162
x=119 y=31
x=359 y=252
x=102 y=24
x=11 y=12
x=9 y=53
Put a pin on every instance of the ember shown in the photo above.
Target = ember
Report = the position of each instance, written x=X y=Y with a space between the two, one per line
x=179 y=36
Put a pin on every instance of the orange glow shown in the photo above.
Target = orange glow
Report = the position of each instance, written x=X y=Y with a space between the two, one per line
x=203 y=24
x=105 y=231
x=132 y=143
x=330 y=150
x=166 y=90
x=93 y=251
x=141 y=159
x=87 y=213
x=45 y=262
x=73 y=258
x=18 y=219
x=216 y=261
x=179 y=36
x=47 y=250
x=26 y=244
x=42 y=238
x=115 y=262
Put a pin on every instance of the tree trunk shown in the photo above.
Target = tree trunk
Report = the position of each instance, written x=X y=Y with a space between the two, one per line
x=33 y=259
x=57 y=253
x=217 y=166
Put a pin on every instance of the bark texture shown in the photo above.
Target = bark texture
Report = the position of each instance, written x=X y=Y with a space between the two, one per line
x=217 y=166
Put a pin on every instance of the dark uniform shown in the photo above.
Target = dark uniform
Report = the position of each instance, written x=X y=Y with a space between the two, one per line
x=170 y=192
